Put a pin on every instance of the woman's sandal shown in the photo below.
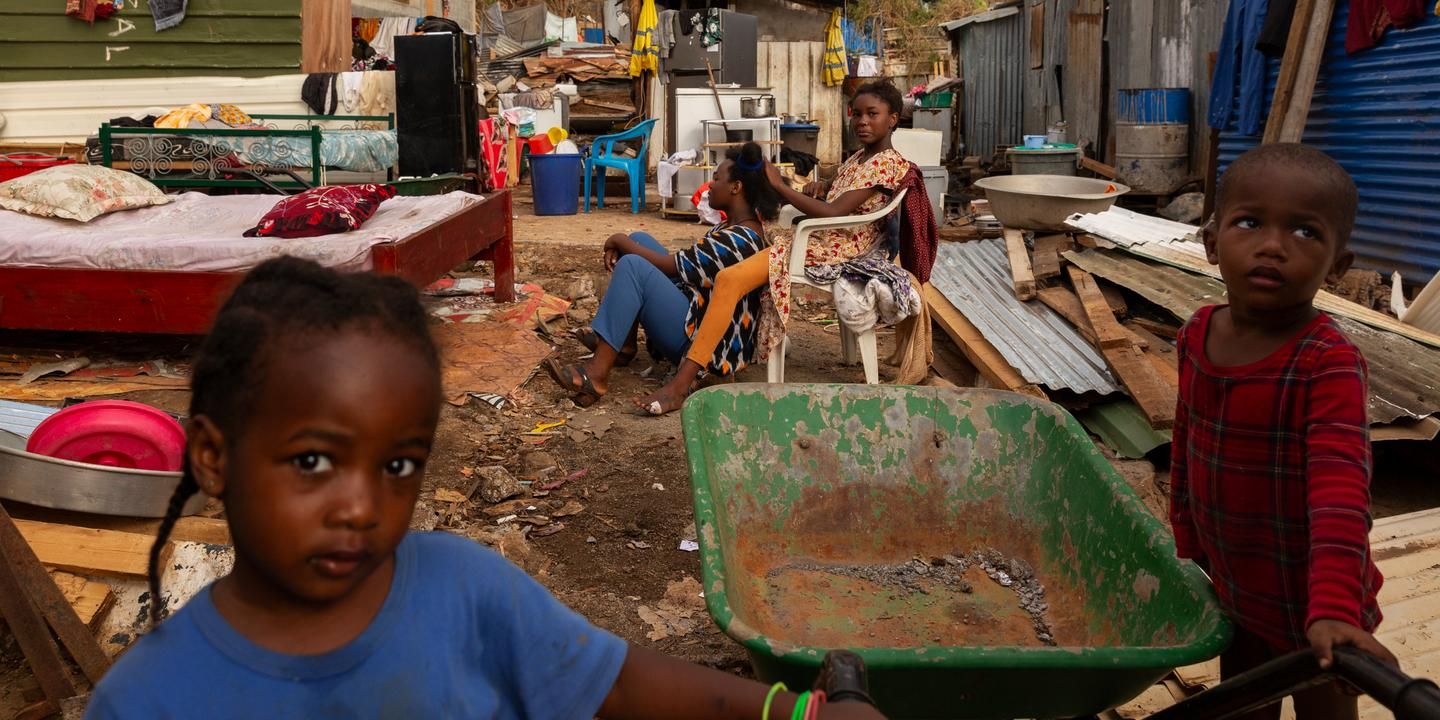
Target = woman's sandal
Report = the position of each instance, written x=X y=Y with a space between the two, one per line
x=591 y=340
x=584 y=392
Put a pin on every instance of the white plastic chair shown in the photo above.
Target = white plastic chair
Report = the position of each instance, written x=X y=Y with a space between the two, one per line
x=849 y=344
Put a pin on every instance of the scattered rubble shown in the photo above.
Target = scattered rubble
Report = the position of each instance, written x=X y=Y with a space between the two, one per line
x=496 y=484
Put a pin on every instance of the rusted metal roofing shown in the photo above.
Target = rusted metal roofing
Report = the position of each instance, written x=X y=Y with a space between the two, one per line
x=1404 y=375
x=1043 y=347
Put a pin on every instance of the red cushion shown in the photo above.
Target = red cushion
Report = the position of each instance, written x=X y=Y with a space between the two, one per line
x=322 y=210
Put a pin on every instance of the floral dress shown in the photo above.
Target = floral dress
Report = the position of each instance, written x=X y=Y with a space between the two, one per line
x=885 y=170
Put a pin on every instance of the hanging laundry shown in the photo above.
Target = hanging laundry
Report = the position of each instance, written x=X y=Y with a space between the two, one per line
x=350 y=91
x=167 y=13
x=834 y=63
x=81 y=10
x=1275 y=33
x=377 y=97
x=1370 y=18
x=320 y=93
x=1240 y=69
x=644 y=55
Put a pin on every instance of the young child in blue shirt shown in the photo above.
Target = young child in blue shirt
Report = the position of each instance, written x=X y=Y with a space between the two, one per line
x=314 y=406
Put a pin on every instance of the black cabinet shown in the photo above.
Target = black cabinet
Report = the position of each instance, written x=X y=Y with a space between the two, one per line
x=437 y=104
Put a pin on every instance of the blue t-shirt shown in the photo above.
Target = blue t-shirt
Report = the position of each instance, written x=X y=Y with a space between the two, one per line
x=462 y=634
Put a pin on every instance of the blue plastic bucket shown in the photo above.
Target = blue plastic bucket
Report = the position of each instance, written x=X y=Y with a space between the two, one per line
x=555 y=181
x=1034 y=142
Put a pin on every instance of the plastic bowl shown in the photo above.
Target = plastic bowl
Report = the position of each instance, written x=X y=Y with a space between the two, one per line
x=541 y=145
x=112 y=433
x=557 y=135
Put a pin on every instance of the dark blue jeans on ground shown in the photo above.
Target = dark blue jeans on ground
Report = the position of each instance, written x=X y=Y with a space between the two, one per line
x=640 y=292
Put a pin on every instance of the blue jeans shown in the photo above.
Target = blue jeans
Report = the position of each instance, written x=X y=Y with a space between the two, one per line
x=640 y=292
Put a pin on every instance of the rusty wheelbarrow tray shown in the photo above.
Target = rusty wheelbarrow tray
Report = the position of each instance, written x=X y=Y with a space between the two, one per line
x=880 y=474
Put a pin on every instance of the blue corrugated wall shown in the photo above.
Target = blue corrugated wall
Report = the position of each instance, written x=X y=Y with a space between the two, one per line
x=1378 y=113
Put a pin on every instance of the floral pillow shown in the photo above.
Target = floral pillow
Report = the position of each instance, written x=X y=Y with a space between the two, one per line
x=78 y=192
x=322 y=211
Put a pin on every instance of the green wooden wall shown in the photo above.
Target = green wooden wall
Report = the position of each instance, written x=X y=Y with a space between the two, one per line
x=218 y=37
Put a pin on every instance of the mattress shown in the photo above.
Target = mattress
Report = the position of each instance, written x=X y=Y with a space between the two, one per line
x=202 y=233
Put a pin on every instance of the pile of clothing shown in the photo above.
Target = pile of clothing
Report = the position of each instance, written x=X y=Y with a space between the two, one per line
x=166 y=13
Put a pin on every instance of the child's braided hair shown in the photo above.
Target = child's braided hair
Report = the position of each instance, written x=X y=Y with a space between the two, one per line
x=282 y=298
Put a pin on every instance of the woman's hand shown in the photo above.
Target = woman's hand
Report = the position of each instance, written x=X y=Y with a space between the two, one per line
x=816 y=189
x=613 y=250
x=772 y=173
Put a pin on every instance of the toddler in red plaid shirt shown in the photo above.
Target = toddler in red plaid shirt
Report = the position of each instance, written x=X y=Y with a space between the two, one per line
x=1271 y=456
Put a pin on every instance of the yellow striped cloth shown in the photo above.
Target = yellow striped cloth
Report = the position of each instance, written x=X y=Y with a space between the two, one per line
x=644 y=54
x=835 y=66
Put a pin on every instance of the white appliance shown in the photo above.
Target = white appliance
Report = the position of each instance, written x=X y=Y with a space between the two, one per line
x=691 y=107
x=922 y=147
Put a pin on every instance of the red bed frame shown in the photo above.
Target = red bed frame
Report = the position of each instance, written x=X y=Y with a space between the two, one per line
x=183 y=303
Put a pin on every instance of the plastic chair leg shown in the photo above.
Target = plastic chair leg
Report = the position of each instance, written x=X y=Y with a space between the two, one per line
x=848 y=347
x=589 y=172
x=600 y=186
x=775 y=368
x=637 y=192
x=870 y=356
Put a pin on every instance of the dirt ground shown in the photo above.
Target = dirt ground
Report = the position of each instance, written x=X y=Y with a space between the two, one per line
x=611 y=551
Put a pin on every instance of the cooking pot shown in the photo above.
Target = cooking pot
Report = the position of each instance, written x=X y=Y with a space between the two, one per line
x=760 y=106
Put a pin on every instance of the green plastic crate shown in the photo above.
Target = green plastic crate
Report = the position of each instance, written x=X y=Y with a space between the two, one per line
x=849 y=473
x=942 y=99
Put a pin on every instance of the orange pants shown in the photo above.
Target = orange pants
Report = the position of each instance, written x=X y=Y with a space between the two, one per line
x=731 y=284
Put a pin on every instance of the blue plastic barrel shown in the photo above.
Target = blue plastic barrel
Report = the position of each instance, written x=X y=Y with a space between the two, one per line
x=595 y=35
x=555 y=182
x=1153 y=106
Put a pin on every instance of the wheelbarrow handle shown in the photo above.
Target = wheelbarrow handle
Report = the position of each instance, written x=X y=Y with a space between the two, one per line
x=1408 y=698
x=843 y=678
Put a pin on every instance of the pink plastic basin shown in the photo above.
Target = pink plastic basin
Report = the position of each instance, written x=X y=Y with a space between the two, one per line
x=114 y=433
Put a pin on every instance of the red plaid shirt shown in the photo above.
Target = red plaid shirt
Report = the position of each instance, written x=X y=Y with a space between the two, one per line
x=1270 y=482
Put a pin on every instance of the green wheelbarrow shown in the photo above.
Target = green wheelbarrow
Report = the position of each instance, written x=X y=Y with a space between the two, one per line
x=973 y=547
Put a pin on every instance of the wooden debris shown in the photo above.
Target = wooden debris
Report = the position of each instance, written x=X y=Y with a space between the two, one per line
x=191 y=528
x=87 y=551
x=1065 y=302
x=90 y=599
x=1045 y=259
x=1099 y=168
x=1113 y=297
x=1151 y=392
x=1019 y=264
x=1162 y=356
x=1160 y=329
x=987 y=360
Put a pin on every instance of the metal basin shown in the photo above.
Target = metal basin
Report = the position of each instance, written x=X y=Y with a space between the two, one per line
x=1042 y=202
x=82 y=487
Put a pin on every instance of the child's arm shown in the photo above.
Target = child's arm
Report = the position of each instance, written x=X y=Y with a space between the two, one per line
x=652 y=686
x=1182 y=523
x=1337 y=466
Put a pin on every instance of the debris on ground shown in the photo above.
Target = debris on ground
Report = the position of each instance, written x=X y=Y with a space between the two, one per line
x=678 y=613
x=949 y=570
x=496 y=484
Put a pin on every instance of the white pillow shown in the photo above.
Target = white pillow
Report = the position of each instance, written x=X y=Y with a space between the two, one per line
x=78 y=192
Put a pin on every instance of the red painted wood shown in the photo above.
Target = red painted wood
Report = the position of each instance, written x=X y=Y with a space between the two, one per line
x=183 y=303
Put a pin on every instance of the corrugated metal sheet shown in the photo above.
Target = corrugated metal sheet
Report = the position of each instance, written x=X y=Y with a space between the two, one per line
x=992 y=62
x=1041 y=345
x=218 y=37
x=1378 y=114
x=1166 y=43
x=21 y=418
x=1404 y=375
x=1127 y=227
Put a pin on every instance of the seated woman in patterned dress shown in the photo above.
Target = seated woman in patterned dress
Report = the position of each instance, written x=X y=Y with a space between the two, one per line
x=668 y=294
x=860 y=187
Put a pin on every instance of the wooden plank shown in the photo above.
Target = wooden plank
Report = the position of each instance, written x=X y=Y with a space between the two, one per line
x=87 y=550
x=1045 y=258
x=1037 y=36
x=1289 y=68
x=1150 y=391
x=1298 y=112
x=325 y=36
x=1082 y=91
x=78 y=57
x=193 y=528
x=1159 y=329
x=1063 y=301
x=45 y=597
x=1099 y=168
x=30 y=631
x=1020 y=272
x=1199 y=676
x=90 y=599
x=984 y=356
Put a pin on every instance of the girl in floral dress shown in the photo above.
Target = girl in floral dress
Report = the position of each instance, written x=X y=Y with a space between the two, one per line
x=861 y=186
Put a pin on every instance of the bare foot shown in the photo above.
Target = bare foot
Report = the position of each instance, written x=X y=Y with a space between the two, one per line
x=663 y=401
